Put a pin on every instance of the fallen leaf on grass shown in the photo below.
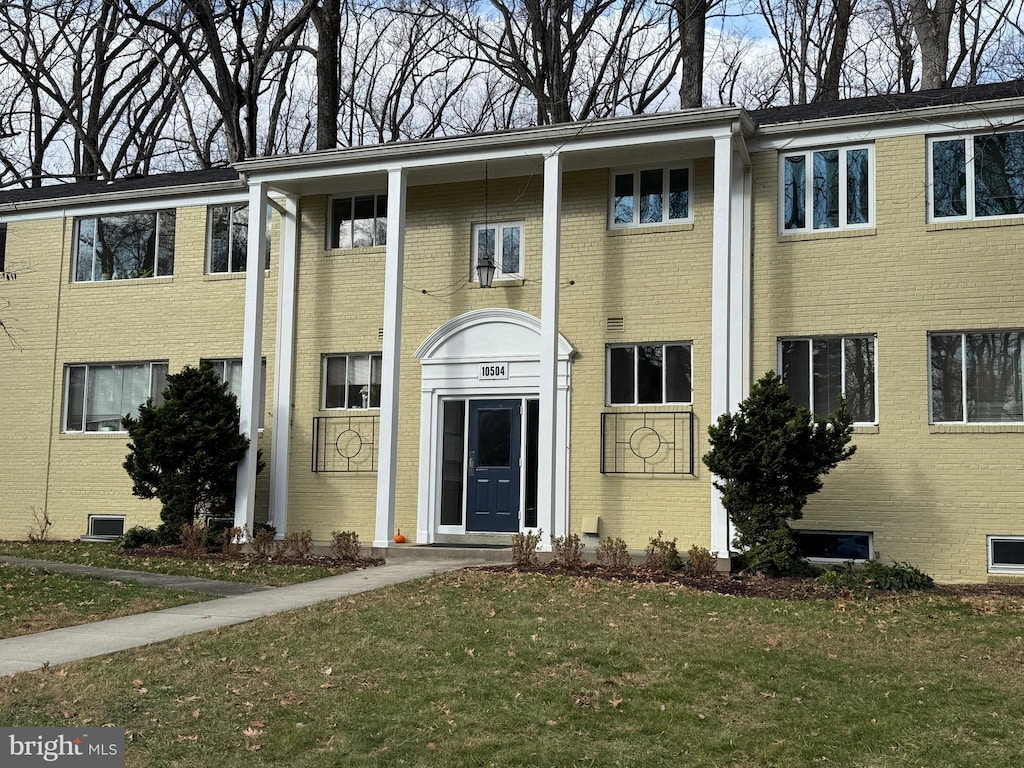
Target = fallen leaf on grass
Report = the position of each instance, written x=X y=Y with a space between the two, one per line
x=189 y=737
x=615 y=701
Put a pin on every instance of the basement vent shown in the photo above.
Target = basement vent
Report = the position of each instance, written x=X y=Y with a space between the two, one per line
x=615 y=325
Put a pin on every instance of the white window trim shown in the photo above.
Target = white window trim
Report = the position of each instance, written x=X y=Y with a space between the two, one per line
x=993 y=567
x=636 y=363
x=85 y=396
x=833 y=560
x=963 y=378
x=376 y=192
x=323 y=379
x=971 y=215
x=209 y=236
x=808 y=155
x=156 y=237
x=665 y=220
x=498 y=227
x=842 y=373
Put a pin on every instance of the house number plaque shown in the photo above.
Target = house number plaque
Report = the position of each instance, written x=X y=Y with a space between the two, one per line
x=493 y=371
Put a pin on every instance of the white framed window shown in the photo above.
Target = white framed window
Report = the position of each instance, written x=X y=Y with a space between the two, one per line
x=822 y=189
x=98 y=395
x=973 y=177
x=230 y=370
x=358 y=221
x=351 y=381
x=124 y=246
x=975 y=377
x=1005 y=554
x=228 y=238
x=821 y=370
x=650 y=196
x=504 y=244
x=835 y=546
x=649 y=374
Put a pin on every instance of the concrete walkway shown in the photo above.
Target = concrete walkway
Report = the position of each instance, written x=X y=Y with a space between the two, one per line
x=58 y=646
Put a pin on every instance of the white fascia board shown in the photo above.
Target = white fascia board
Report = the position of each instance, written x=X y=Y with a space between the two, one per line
x=101 y=205
x=849 y=129
x=604 y=134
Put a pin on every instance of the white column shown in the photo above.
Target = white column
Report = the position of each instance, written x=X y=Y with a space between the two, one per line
x=720 y=331
x=551 y=507
x=739 y=314
x=394 y=267
x=284 y=366
x=252 y=355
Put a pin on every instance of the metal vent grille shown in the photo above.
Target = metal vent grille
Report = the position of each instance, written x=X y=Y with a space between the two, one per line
x=615 y=325
x=380 y=334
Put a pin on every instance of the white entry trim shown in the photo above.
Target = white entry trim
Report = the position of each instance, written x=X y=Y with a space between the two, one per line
x=450 y=360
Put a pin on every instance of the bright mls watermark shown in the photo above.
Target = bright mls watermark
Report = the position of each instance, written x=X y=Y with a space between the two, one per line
x=78 y=747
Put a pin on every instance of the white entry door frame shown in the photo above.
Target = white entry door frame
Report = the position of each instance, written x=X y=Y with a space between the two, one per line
x=486 y=353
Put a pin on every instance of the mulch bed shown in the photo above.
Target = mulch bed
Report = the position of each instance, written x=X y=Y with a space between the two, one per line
x=149 y=550
x=785 y=588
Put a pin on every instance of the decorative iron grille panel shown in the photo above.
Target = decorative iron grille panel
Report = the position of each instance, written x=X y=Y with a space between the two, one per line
x=647 y=443
x=345 y=443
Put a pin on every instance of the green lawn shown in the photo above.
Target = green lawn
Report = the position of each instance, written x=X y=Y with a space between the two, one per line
x=108 y=556
x=478 y=669
x=33 y=600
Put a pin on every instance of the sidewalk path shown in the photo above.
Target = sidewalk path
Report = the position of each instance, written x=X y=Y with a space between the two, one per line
x=178 y=583
x=58 y=646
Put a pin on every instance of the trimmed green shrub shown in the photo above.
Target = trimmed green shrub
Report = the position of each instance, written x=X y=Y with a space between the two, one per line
x=186 y=451
x=767 y=458
x=874 y=574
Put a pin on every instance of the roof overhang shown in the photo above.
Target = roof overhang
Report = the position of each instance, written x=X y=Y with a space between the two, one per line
x=590 y=144
x=966 y=116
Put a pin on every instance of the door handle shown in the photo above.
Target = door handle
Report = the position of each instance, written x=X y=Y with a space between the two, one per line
x=472 y=462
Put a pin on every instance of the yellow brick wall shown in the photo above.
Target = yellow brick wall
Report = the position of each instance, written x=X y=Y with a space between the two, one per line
x=930 y=494
x=340 y=310
x=180 y=319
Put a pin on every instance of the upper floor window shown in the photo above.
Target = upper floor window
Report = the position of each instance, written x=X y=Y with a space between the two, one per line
x=977 y=176
x=229 y=238
x=125 y=245
x=503 y=243
x=820 y=371
x=98 y=395
x=976 y=377
x=650 y=196
x=641 y=374
x=826 y=189
x=351 y=381
x=230 y=370
x=358 y=222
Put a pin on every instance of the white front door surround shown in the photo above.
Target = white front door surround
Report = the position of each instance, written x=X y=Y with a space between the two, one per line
x=451 y=362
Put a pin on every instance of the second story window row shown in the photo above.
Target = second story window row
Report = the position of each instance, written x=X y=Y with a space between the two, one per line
x=124 y=246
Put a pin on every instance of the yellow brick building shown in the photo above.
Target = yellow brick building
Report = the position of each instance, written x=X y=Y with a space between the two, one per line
x=643 y=272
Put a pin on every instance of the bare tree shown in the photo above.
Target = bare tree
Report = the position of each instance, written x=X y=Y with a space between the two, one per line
x=565 y=54
x=238 y=51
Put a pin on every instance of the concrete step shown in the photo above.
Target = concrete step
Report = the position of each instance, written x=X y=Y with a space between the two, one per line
x=469 y=554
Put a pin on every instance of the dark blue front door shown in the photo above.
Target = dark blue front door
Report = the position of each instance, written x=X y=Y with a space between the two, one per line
x=493 y=468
